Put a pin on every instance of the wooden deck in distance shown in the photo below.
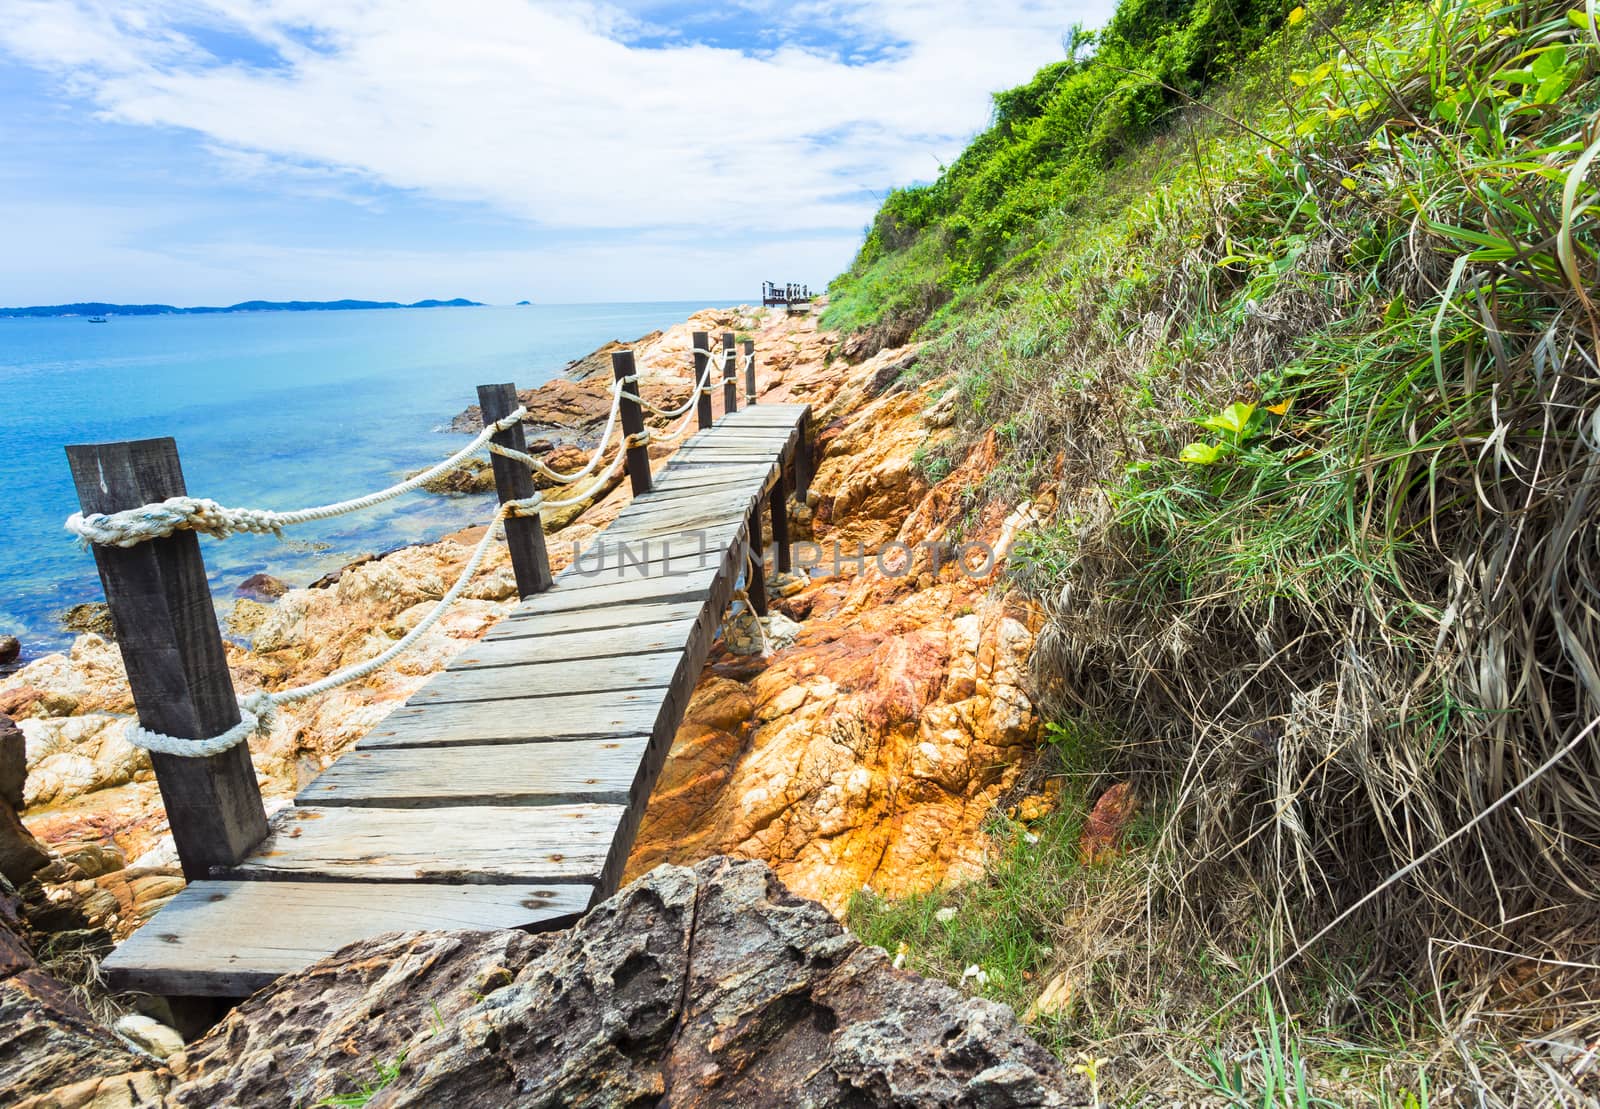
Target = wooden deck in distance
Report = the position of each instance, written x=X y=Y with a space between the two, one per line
x=507 y=791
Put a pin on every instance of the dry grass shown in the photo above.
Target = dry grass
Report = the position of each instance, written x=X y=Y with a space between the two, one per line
x=1378 y=612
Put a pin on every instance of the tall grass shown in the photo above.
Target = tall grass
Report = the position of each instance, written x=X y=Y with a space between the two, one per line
x=1320 y=379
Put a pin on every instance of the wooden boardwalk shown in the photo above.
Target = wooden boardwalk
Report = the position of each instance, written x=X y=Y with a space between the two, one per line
x=506 y=793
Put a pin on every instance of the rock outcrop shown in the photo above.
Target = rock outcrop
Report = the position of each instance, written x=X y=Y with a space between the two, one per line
x=53 y=1053
x=706 y=987
x=872 y=750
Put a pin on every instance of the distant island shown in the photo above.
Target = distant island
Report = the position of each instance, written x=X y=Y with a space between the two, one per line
x=96 y=308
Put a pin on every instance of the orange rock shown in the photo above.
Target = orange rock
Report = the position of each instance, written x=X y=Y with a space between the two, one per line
x=1108 y=824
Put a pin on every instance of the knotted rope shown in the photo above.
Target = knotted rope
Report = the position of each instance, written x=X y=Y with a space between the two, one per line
x=256 y=709
x=133 y=526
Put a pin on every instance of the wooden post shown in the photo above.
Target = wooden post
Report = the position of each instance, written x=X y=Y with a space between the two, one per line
x=779 y=500
x=632 y=421
x=702 y=358
x=167 y=632
x=749 y=371
x=755 y=585
x=805 y=459
x=730 y=384
x=530 y=562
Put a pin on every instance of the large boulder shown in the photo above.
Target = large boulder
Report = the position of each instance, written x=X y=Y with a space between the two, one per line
x=704 y=986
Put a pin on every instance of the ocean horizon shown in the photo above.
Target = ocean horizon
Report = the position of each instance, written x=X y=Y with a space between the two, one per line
x=270 y=409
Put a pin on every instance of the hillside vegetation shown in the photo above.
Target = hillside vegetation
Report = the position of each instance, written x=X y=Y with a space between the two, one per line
x=1295 y=309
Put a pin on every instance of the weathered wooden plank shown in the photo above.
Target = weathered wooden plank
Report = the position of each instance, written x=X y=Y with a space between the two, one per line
x=722 y=482
x=756 y=436
x=710 y=456
x=623 y=561
x=229 y=939
x=469 y=844
x=677 y=490
x=675 y=474
x=683 y=477
x=520 y=720
x=766 y=415
x=520 y=624
x=594 y=632
x=674 y=702
x=756 y=449
x=170 y=644
x=508 y=648
x=555 y=678
x=592 y=770
x=577 y=591
x=685 y=532
x=712 y=509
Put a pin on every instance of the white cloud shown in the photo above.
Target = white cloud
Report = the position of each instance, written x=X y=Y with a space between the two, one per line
x=554 y=113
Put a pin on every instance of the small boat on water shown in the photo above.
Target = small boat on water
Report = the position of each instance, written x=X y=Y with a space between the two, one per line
x=97 y=319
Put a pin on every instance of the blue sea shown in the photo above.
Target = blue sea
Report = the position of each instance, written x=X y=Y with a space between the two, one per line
x=269 y=409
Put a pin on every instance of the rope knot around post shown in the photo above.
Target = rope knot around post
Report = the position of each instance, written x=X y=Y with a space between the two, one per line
x=256 y=711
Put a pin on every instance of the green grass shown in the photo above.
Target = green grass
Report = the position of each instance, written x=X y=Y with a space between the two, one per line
x=385 y=1075
x=1314 y=362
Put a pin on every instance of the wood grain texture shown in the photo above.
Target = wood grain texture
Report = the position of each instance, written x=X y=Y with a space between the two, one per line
x=701 y=344
x=600 y=643
x=576 y=591
x=538 y=677
x=171 y=646
x=229 y=939
x=638 y=458
x=518 y=720
x=468 y=844
x=592 y=770
x=530 y=560
x=584 y=620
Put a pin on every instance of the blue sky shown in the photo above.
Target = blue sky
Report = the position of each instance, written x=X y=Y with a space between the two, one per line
x=207 y=151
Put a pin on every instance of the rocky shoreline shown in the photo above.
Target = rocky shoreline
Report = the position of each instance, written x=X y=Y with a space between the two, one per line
x=887 y=725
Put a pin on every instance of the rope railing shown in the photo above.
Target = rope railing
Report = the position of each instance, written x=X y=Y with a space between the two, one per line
x=133 y=526
x=130 y=527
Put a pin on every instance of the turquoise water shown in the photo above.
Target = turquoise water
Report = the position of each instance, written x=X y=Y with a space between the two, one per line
x=271 y=409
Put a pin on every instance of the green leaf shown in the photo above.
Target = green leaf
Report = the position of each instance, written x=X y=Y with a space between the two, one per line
x=1549 y=62
x=1234 y=419
x=1200 y=454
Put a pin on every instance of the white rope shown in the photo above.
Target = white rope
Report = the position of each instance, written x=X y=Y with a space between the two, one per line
x=256 y=709
x=133 y=526
x=702 y=387
x=742 y=593
x=555 y=475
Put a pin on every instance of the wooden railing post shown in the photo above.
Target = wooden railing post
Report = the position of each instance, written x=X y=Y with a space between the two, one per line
x=166 y=629
x=513 y=481
x=749 y=371
x=730 y=383
x=632 y=421
x=779 y=500
x=755 y=583
x=702 y=358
